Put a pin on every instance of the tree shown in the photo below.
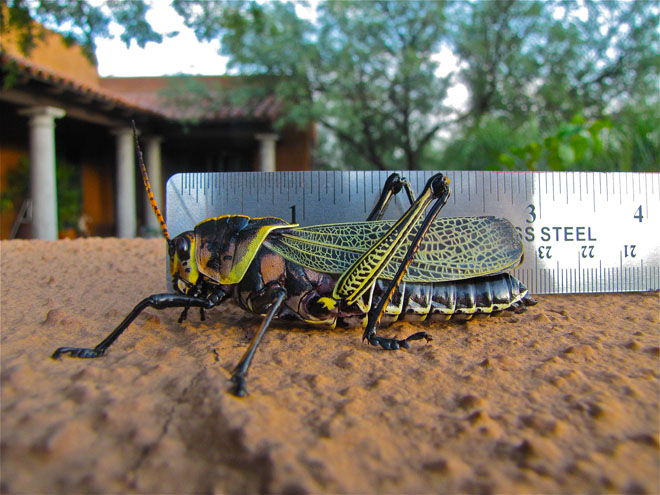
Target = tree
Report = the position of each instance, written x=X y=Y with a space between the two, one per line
x=363 y=70
x=556 y=59
x=498 y=41
x=366 y=70
x=532 y=69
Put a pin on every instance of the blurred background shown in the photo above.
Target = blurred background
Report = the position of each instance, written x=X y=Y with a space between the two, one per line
x=238 y=85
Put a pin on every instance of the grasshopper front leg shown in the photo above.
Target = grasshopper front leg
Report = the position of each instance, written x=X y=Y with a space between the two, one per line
x=157 y=301
x=353 y=284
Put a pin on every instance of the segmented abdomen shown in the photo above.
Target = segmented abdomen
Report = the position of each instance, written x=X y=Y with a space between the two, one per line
x=466 y=297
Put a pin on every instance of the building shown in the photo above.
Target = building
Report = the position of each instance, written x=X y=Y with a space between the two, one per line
x=54 y=108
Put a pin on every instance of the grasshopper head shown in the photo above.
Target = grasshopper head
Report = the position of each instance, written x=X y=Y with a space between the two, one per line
x=183 y=267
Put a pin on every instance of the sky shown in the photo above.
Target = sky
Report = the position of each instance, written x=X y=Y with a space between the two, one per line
x=181 y=54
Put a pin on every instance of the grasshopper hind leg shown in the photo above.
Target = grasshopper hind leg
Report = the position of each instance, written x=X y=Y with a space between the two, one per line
x=436 y=189
x=393 y=186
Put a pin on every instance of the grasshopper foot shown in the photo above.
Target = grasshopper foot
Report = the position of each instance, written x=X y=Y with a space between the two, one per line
x=394 y=344
x=388 y=344
x=79 y=352
x=419 y=336
x=240 y=385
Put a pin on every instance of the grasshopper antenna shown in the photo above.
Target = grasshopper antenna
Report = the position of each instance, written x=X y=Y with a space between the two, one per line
x=147 y=185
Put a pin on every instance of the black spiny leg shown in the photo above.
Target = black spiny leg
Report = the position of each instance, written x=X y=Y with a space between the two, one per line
x=276 y=297
x=440 y=190
x=157 y=301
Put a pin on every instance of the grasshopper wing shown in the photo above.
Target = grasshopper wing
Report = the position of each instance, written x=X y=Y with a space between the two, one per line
x=454 y=248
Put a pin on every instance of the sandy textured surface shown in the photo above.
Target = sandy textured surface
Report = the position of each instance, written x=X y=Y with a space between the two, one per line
x=561 y=399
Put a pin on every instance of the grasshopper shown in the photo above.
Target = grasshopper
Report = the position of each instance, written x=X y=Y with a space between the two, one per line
x=340 y=274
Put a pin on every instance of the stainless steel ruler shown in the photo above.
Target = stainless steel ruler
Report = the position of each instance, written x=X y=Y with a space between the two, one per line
x=582 y=231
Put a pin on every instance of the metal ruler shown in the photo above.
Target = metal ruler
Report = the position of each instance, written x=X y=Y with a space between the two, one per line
x=582 y=231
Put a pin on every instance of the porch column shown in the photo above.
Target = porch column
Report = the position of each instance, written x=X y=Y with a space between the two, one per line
x=267 y=151
x=154 y=170
x=125 y=200
x=43 y=184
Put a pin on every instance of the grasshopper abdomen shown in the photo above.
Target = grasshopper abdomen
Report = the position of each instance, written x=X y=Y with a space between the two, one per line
x=483 y=295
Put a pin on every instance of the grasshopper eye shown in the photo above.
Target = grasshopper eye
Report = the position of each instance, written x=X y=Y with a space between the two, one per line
x=182 y=247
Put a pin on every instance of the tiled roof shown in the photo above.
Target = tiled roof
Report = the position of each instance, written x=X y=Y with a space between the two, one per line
x=45 y=75
x=145 y=95
x=149 y=93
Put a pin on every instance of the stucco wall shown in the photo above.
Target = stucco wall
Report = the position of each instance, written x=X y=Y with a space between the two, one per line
x=53 y=53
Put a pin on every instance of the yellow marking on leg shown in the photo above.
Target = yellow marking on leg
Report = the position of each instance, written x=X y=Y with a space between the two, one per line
x=355 y=281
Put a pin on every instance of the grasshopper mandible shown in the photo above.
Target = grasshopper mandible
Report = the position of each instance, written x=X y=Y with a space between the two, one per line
x=346 y=273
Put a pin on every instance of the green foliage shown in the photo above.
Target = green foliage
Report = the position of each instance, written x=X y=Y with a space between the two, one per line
x=634 y=141
x=18 y=186
x=364 y=71
x=16 y=16
x=499 y=42
x=625 y=142
x=576 y=144
x=479 y=147
x=69 y=195
x=628 y=140
x=69 y=191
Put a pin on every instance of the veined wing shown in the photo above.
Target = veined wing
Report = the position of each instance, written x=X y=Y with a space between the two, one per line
x=455 y=248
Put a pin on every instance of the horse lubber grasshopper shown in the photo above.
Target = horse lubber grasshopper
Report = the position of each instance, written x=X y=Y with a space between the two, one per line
x=347 y=273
